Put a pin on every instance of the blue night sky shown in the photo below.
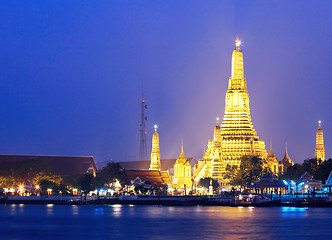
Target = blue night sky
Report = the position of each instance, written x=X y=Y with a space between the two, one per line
x=71 y=74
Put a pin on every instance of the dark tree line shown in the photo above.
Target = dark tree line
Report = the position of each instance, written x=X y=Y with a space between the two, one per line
x=319 y=169
x=37 y=172
x=15 y=173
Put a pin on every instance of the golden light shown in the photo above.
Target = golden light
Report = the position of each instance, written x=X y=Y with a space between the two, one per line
x=117 y=184
x=37 y=187
x=155 y=126
x=237 y=42
x=6 y=190
x=21 y=187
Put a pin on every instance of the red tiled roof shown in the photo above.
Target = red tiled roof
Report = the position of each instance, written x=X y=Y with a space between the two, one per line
x=157 y=178
x=145 y=164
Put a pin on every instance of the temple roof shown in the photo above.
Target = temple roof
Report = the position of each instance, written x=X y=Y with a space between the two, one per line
x=268 y=181
x=156 y=177
x=306 y=175
x=329 y=181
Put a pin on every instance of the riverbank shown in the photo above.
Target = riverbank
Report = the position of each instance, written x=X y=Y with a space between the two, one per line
x=169 y=200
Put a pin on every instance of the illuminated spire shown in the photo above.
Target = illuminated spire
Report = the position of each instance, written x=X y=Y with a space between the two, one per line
x=182 y=156
x=155 y=152
x=237 y=62
x=286 y=161
x=320 y=149
x=271 y=154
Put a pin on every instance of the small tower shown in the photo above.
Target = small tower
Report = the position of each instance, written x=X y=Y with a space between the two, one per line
x=155 y=152
x=320 y=150
x=217 y=167
x=286 y=161
x=272 y=162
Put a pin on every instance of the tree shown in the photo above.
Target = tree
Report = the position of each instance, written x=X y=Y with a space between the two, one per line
x=320 y=170
x=112 y=172
x=16 y=173
x=87 y=183
x=205 y=182
x=251 y=168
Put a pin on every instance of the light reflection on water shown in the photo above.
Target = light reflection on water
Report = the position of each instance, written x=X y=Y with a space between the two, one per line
x=116 y=210
x=49 y=209
x=74 y=209
x=155 y=222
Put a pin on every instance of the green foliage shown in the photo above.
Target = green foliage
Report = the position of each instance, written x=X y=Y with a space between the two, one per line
x=251 y=168
x=320 y=170
x=15 y=173
x=105 y=176
x=46 y=184
x=87 y=183
x=112 y=172
x=205 y=182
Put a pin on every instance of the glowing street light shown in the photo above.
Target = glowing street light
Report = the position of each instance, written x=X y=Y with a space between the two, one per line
x=49 y=191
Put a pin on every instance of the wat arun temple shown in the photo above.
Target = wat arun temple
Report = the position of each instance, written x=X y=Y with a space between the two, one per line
x=236 y=136
x=233 y=138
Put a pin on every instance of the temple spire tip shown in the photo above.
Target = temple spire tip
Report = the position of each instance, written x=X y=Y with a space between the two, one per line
x=237 y=42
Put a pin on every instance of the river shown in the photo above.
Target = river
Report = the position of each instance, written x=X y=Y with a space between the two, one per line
x=21 y=221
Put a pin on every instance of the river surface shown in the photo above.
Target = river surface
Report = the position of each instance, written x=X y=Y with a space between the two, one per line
x=21 y=221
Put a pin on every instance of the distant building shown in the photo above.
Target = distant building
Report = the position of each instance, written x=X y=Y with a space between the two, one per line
x=63 y=165
x=320 y=150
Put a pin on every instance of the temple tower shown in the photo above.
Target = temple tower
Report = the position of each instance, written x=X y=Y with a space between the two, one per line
x=182 y=171
x=286 y=161
x=155 y=152
x=238 y=135
x=217 y=166
x=320 y=150
x=272 y=162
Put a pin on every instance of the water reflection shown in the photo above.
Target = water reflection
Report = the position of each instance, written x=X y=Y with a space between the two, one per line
x=156 y=222
x=49 y=209
x=116 y=210
x=99 y=211
x=74 y=209
x=293 y=211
